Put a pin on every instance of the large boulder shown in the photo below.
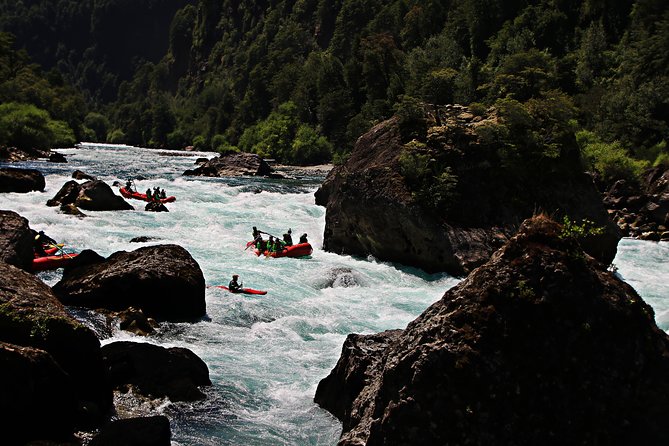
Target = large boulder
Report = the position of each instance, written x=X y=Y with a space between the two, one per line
x=21 y=180
x=37 y=400
x=80 y=175
x=541 y=345
x=156 y=371
x=384 y=202
x=33 y=317
x=95 y=195
x=16 y=240
x=164 y=281
x=232 y=165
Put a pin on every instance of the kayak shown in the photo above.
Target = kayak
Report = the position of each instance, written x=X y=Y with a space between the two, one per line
x=242 y=291
x=299 y=250
x=52 y=262
x=138 y=196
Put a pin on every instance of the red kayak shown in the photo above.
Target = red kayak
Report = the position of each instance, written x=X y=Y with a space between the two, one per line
x=299 y=250
x=52 y=262
x=138 y=196
x=242 y=291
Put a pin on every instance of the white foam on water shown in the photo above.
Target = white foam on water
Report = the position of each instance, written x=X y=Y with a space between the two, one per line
x=266 y=354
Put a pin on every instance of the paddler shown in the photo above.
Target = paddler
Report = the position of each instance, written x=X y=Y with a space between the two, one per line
x=287 y=238
x=235 y=286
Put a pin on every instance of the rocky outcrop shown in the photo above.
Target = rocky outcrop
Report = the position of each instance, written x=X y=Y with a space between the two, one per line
x=91 y=195
x=37 y=398
x=31 y=316
x=155 y=371
x=641 y=210
x=232 y=165
x=21 y=180
x=456 y=220
x=55 y=157
x=143 y=431
x=541 y=345
x=164 y=281
x=79 y=175
x=16 y=240
x=155 y=206
x=13 y=154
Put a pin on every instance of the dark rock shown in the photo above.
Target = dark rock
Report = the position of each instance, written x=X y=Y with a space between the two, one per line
x=372 y=208
x=12 y=154
x=16 y=240
x=142 y=239
x=526 y=350
x=32 y=316
x=98 y=196
x=79 y=175
x=144 y=431
x=92 y=196
x=71 y=209
x=650 y=235
x=156 y=371
x=155 y=206
x=135 y=321
x=232 y=165
x=87 y=257
x=37 y=393
x=201 y=160
x=359 y=361
x=56 y=157
x=21 y=180
x=664 y=236
x=66 y=195
x=164 y=281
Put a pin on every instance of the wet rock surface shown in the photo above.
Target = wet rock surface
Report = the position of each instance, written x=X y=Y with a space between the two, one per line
x=92 y=196
x=232 y=165
x=156 y=371
x=373 y=210
x=530 y=348
x=164 y=281
x=16 y=240
x=21 y=180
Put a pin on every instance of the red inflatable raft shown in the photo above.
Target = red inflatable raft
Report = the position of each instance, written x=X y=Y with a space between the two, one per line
x=52 y=262
x=138 y=196
x=299 y=250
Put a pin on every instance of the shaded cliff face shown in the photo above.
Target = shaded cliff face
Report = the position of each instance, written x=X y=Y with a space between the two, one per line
x=538 y=346
x=388 y=199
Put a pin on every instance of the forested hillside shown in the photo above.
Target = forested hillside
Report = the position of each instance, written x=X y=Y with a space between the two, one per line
x=300 y=80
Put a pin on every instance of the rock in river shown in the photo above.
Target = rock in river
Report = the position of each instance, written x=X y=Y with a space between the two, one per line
x=164 y=281
x=540 y=345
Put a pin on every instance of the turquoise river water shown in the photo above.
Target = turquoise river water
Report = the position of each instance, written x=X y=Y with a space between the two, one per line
x=265 y=354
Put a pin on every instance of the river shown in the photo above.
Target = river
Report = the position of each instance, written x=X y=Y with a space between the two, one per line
x=266 y=354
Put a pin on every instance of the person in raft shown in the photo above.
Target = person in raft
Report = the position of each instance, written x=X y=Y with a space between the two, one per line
x=235 y=286
x=287 y=238
x=256 y=233
x=40 y=240
x=148 y=194
x=303 y=238
x=128 y=186
x=163 y=194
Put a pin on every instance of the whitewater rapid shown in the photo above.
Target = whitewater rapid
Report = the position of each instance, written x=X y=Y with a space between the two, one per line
x=265 y=354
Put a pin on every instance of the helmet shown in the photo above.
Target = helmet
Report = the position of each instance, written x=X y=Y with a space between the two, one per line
x=234 y=276
x=290 y=231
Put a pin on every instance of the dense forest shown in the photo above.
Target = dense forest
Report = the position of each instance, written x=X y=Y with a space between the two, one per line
x=300 y=80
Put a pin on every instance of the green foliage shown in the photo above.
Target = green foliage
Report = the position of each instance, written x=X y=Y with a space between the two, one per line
x=117 y=136
x=309 y=147
x=432 y=184
x=610 y=160
x=26 y=126
x=99 y=124
x=578 y=232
